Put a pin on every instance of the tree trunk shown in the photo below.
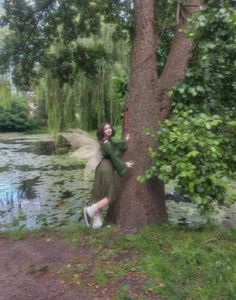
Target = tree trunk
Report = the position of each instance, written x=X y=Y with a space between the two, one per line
x=142 y=203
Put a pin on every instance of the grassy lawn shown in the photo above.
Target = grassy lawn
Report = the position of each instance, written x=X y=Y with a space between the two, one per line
x=169 y=262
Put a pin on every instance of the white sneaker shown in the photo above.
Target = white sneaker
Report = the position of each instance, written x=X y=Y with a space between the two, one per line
x=88 y=213
x=97 y=222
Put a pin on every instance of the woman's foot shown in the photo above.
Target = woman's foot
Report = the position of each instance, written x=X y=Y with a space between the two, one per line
x=97 y=221
x=89 y=212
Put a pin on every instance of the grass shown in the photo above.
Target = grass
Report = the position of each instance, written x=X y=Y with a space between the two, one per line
x=16 y=235
x=170 y=262
x=40 y=130
x=37 y=272
x=70 y=274
x=176 y=263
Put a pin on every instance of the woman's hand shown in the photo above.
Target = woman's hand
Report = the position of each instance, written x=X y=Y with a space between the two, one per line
x=127 y=137
x=130 y=164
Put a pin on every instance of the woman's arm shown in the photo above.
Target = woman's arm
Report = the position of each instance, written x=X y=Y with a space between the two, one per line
x=121 y=145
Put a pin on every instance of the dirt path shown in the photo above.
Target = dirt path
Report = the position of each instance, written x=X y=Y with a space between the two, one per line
x=30 y=271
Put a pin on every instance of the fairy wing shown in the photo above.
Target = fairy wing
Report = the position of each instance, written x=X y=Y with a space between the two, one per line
x=78 y=138
x=88 y=148
x=90 y=152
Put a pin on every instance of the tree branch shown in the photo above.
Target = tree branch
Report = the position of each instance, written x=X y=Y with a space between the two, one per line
x=178 y=58
x=180 y=52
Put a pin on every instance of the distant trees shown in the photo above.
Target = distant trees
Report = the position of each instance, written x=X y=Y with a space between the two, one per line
x=65 y=53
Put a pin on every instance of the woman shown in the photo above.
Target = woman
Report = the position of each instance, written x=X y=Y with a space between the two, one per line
x=104 y=183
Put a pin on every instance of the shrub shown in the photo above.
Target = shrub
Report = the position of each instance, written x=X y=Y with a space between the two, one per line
x=196 y=151
x=15 y=117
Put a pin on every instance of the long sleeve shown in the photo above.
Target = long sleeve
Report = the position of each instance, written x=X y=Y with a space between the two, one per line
x=121 y=145
x=109 y=151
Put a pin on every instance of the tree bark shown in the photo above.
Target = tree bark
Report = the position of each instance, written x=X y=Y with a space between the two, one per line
x=142 y=203
x=178 y=58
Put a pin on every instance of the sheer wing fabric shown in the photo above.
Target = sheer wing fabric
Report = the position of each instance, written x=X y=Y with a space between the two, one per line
x=88 y=148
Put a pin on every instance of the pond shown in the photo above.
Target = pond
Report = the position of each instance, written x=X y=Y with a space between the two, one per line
x=37 y=187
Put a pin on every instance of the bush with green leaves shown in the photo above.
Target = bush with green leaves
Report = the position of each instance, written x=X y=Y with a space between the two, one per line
x=209 y=82
x=192 y=152
x=15 y=117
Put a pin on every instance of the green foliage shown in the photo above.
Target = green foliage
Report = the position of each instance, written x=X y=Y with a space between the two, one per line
x=15 y=117
x=209 y=82
x=197 y=144
x=197 y=152
x=119 y=13
x=97 y=97
x=36 y=25
x=66 y=54
x=5 y=93
x=166 y=28
x=40 y=98
x=86 y=101
x=120 y=91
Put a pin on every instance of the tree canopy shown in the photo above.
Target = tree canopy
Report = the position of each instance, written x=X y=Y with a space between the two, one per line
x=66 y=45
x=35 y=26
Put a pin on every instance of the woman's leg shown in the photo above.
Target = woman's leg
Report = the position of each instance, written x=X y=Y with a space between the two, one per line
x=97 y=218
x=93 y=211
x=100 y=204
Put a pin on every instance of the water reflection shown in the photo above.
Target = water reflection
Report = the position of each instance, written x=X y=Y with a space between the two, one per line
x=38 y=189
x=16 y=204
x=23 y=144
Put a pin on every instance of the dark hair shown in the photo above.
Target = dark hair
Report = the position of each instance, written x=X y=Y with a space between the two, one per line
x=100 y=131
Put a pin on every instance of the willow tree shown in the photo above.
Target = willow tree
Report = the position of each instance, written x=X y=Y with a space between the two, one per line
x=88 y=100
x=5 y=83
x=67 y=43
x=5 y=93
x=95 y=95
x=148 y=103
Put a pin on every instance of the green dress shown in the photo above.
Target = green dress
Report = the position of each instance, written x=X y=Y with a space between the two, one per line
x=104 y=182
